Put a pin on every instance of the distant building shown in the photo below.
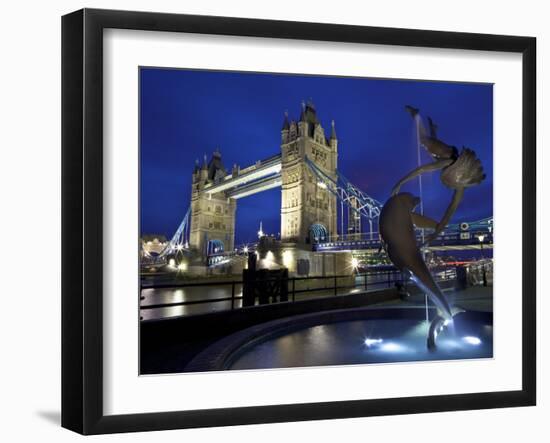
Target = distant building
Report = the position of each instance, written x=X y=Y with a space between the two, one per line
x=153 y=244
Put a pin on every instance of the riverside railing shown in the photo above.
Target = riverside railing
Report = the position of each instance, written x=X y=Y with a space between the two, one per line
x=299 y=288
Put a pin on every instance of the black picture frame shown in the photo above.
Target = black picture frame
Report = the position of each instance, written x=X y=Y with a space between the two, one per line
x=82 y=215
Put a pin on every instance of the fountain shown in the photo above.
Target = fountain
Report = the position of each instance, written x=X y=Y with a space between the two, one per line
x=398 y=219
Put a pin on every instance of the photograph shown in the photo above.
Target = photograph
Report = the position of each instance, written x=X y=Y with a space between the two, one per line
x=291 y=220
x=272 y=222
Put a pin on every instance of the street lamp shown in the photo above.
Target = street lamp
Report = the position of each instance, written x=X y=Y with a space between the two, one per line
x=481 y=237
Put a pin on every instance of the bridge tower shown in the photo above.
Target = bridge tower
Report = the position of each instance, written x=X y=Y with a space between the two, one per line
x=212 y=214
x=308 y=210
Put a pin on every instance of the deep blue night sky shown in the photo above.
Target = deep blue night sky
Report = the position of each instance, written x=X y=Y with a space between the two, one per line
x=185 y=114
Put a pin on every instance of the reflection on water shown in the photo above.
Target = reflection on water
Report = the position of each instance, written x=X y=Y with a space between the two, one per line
x=156 y=296
x=370 y=341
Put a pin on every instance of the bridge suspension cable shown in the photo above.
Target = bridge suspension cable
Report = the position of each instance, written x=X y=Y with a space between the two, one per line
x=347 y=192
x=178 y=242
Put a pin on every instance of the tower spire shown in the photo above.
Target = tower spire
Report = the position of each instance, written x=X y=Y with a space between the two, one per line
x=303 y=113
x=261 y=231
x=286 y=124
x=333 y=131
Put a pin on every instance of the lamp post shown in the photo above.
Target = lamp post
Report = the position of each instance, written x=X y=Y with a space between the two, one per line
x=481 y=237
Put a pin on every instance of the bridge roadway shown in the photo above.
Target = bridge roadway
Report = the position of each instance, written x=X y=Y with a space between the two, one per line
x=452 y=241
x=254 y=187
x=449 y=242
x=263 y=175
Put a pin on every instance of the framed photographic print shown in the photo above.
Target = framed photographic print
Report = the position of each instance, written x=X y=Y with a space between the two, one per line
x=269 y=221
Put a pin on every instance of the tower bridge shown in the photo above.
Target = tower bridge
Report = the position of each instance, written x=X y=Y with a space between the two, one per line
x=308 y=206
x=313 y=194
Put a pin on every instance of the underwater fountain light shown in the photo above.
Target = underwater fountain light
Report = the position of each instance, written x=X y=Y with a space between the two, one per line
x=472 y=340
x=392 y=347
x=372 y=341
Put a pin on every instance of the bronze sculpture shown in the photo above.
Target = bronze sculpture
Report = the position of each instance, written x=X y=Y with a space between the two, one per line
x=397 y=220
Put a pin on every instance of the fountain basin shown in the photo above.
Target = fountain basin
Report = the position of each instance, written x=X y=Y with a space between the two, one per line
x=348 y=336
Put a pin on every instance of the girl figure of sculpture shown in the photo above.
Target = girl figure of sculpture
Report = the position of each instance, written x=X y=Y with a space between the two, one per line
x=458 y=172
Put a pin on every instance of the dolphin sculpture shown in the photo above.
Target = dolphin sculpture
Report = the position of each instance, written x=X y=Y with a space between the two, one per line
x=396 y=226
x=458 y=170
